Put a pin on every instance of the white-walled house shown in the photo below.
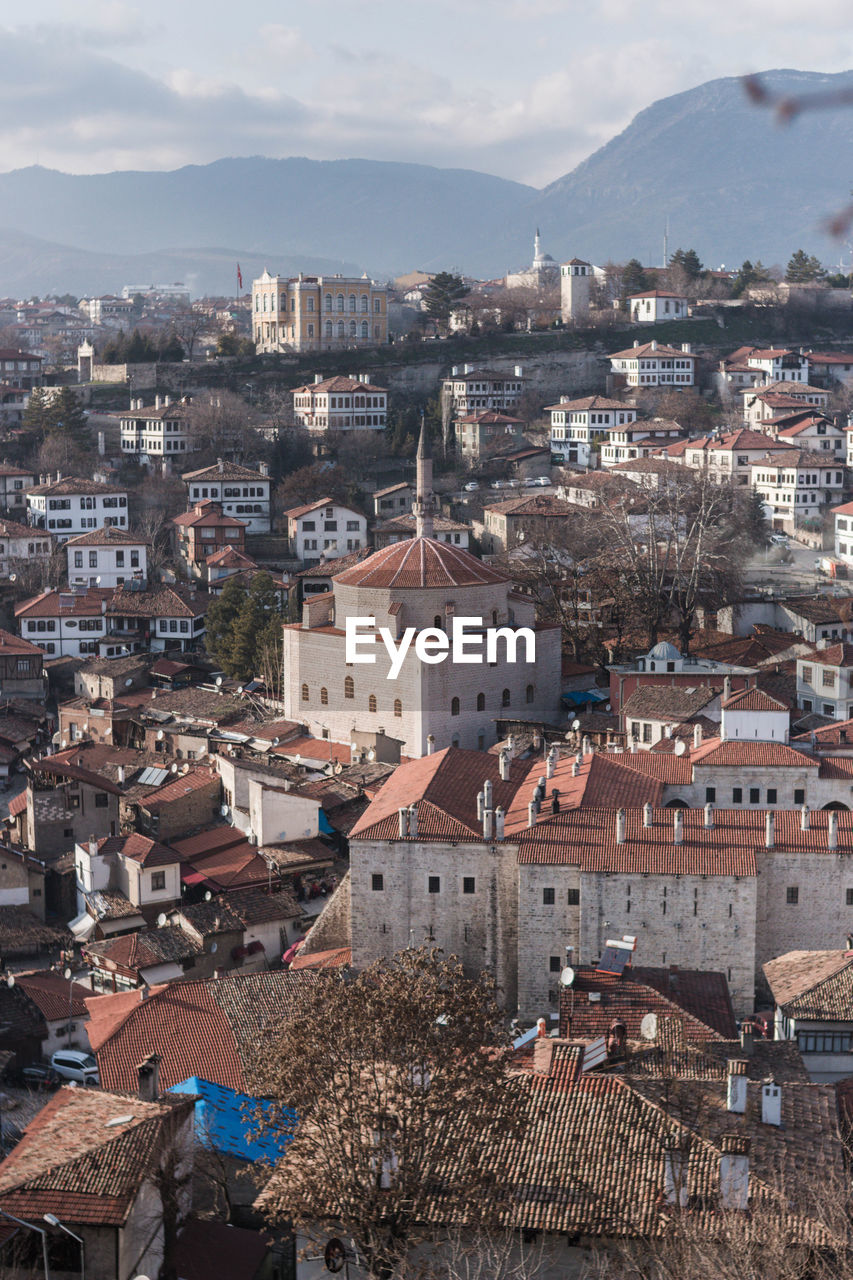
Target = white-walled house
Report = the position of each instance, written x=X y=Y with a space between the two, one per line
x=240 y=491
x=20 y=543
x=843 y=516
x=578 y=427
x=71 y=505
x=341 y=404
x=64 y=623
x=654 y=364
x=145 y=872
x=156 y=435
x=780 y=364
x=325 y=528
x=825 y=681
x=796 y=483
x=107 y=557
x=657 y=305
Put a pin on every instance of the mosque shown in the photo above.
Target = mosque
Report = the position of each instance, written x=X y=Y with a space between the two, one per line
x=543 y=272
x=419 y=583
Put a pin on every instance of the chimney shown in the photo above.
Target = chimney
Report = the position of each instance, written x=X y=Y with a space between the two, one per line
x=697 y=736
x=480 y=806
x=620 y=826
x=488 y=815
x=540 y=790
x=156 y=402
x=531 y=814
x=487 y=794
x=575 y=768
x=413 y=820
x=734 y=1171
x=120 y=772
x=318 y=377
x=747 y=1038
x=221 y=465
x=541 y=1028
x=93 y=847
x=503 y=765
x=633 y=749
x=148 y=1076
x=771 y=1103
x=832 y=830
x=549 y=765
x=519 y=371
x=677 y=827
x=647 y=814
x=667 y=730
x=636 y=342
x=500 y=818
x=727 y=688
x=804 y=818
x=654 y=344
x=736 y=1087
x=675 y=1173
x=769 y=830
x=685 y=347
x=167 y=400
x=709 y=815
x=403 y=827
x=586 y=746
x=430 y=743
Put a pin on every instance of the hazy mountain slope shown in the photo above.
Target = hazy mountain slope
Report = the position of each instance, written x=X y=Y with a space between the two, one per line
x=733 y=182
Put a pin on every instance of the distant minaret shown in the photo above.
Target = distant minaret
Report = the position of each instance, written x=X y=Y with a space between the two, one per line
x=537 y=247
x=424 y=504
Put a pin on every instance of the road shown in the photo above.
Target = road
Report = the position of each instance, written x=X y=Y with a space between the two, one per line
x=766 y=570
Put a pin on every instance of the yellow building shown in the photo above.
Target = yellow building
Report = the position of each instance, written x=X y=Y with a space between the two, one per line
x=318 y=313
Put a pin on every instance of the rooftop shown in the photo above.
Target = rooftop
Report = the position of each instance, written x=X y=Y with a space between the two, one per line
x=420 y=563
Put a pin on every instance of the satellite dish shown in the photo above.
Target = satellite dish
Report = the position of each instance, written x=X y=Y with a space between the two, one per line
x=223 y=809
x=276 y=741
x=13 y=577
x=64 y=743
x=371 y=755
x=160 y=735
x=218 y=681
x=607 y=706
x=567 y=977
x=208 y=895
x=576 y=724
x=339 y=768
x=649 y=1026
x=66 y=973
x=98 y=580
x=214 y=947
x=10 y=981
x=680 y=747
x=239 y=689
x=128 y=682
x=173 y=768
x=161 y=919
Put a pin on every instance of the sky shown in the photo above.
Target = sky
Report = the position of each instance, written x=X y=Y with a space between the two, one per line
x=524 y=89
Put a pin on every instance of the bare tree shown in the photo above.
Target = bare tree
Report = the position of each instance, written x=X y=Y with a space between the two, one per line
x=188 y=324
x=406 y=1045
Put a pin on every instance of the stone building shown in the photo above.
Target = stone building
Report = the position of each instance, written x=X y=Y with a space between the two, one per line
x=418 y=585
x=318 y=313
x=506 y=863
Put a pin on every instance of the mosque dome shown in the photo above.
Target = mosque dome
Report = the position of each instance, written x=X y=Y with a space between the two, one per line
x=419 y=563
x=665 y=651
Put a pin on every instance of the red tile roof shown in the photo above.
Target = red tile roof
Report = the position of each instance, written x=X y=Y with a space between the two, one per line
x=108 y=536
x=699 y=998
x=834 y=655
x=183 y=785
x=813 y=985
x=420 y=563
x=202 y=1029
x=753 y=700
x=52 y=993
x=738 y=753
x=645 y=349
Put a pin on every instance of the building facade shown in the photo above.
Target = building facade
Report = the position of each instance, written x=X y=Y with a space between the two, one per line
x=241 y=492
x=156 y=436
x=318 y=313
x=107 y=557
x=341 y=404
x=70 y=505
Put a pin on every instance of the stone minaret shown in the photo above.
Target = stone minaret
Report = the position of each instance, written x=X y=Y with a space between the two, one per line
x=424 y=504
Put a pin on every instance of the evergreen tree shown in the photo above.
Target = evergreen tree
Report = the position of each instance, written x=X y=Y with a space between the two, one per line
x=804 y=268
x=67 y=417
x=688 y=261
x=634 y=278
x=441 y=295
x=221 y=615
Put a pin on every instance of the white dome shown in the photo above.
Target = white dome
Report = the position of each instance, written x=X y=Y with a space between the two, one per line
x=664 y=650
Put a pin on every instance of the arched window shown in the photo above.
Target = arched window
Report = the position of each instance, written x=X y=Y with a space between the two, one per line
x=365 y=329
x=349 y=687
x=371 y=702
x=530 y=693
x=305 y=693
x=436 y=622
x=340 y=328
x=398 y=707
x=328 y=328
x=324 y=697
x=454 y=707
x=352 y=302
x=505 y=698
x=454 y=742
x=481 y=702
x=328 y=302
x=494 y=617
x=352 y=333
x=340 y=302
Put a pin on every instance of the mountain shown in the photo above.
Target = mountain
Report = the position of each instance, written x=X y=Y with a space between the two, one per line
x=731 y=182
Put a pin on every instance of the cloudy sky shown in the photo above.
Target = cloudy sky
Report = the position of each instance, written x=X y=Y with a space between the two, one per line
x=520 y=88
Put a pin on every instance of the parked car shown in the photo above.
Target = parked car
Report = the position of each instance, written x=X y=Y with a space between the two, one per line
x=471 y=487
x=529 y=482
x=498 y=484
x=40 y=1075
x=73 y=1064
x=543 y=481
x=778 y=539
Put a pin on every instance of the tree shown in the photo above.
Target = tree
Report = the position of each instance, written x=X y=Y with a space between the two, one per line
x=57 y=413
x=222 y=425
x=441 y=295
x=241 y=627
x=221 y=616
x=372 y=1105
x=803 y=268
x=686 y=260
x=188 y=324
x=634 y=278
x=310 y=484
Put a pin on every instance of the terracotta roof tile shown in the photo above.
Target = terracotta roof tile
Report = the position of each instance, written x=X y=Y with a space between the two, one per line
x=700 y=998
x=420 y=563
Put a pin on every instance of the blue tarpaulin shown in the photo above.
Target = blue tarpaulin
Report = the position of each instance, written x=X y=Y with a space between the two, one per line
x=580 y=697
x=225 y=1119
x=325 y=826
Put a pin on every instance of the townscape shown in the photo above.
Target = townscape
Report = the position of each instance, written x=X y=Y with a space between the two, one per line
x=426 y=775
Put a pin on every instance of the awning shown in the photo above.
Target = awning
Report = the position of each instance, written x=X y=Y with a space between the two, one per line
x=193 y=877
x=81 y=926
x=580 y=697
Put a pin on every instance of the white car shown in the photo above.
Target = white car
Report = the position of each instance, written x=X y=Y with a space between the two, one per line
x=542 y=481
x=471 y=487
x=778 y=539
x=498 y=484
x=72 y=1064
